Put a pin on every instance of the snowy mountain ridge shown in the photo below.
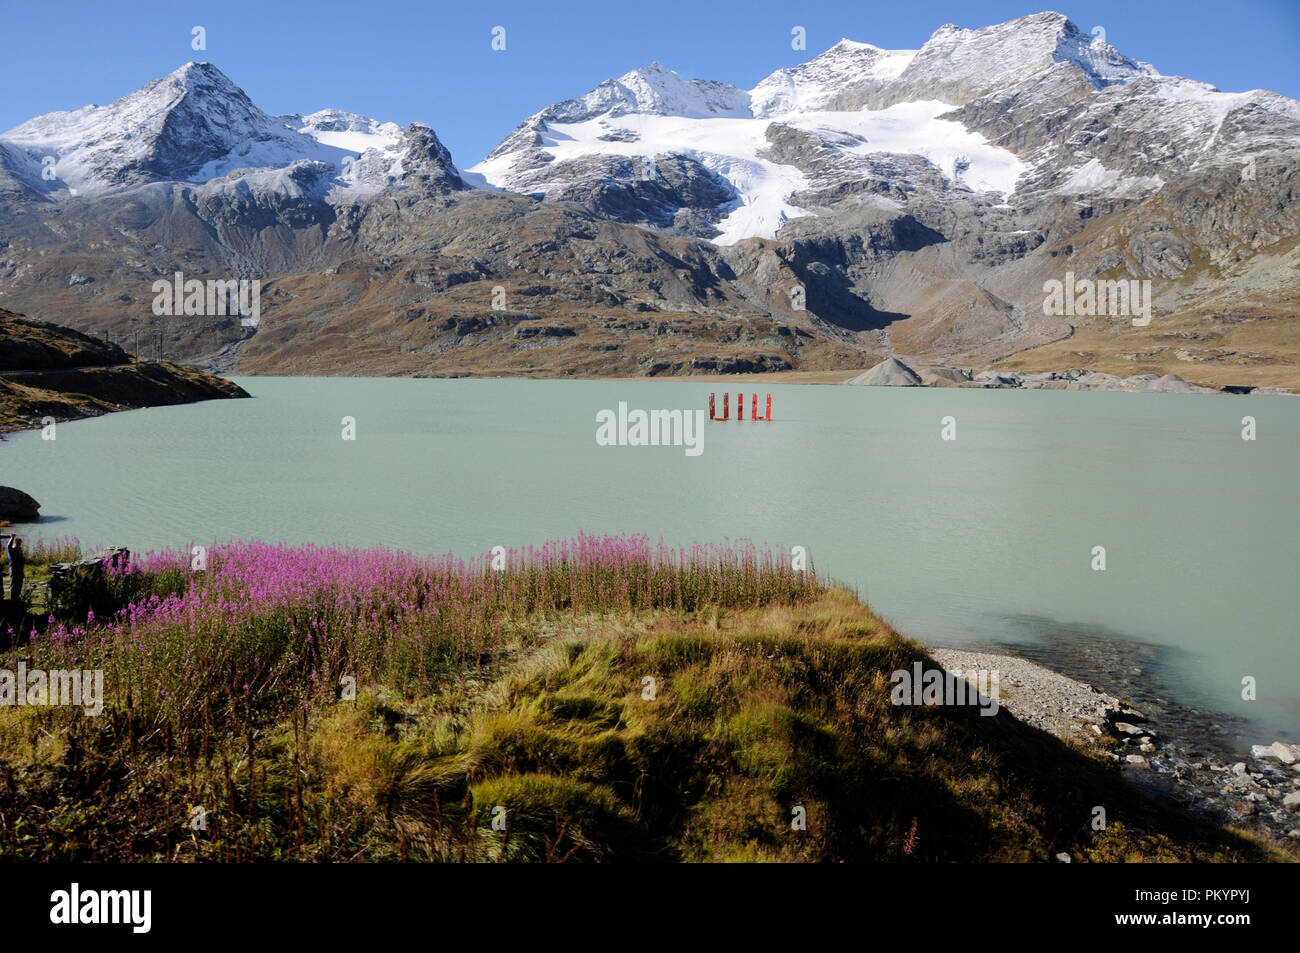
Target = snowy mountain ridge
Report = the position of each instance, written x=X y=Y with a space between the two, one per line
x=857 y=100
x=917 y=198
x=860 y=105
x=193 y=125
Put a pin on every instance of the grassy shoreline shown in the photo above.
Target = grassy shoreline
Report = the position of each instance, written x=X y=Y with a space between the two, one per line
x=521 y=696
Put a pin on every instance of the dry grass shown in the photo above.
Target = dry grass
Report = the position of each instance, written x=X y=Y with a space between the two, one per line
x=1255 y=353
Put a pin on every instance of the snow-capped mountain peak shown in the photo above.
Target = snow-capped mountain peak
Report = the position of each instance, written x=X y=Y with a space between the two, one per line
x=193 y=125
x=963 y=114
x=842 y=77
x=708 y=148
x=170 y=128
x=958 y=65
x=653 y=90
x=345 y=130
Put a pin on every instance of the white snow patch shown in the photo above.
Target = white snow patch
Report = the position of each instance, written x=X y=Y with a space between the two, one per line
x=476 y=180
x=1092 y=177
x=726 y=146
x=915 y=129
x=731 y=148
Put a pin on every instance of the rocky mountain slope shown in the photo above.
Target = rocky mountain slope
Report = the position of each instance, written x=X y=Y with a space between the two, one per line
x=868 y=202
x=52 y=371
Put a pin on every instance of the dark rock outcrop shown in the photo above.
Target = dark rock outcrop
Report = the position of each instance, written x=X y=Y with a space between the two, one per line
x=15 y=505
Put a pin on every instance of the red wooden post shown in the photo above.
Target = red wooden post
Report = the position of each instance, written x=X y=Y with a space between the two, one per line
x=769 y=407
x=726 y=406
x=740 y=406
x=753 y=407
x=712 y=415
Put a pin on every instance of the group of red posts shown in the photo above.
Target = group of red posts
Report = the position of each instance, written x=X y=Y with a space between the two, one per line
x=740 y=408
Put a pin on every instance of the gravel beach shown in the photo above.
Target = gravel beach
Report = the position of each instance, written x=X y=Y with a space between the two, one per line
x=1191 y=764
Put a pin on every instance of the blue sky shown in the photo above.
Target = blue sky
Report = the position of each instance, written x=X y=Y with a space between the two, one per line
x=432 y=61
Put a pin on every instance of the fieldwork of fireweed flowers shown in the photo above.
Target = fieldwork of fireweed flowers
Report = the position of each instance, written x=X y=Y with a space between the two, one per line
x=597 y=698
x=266 y=626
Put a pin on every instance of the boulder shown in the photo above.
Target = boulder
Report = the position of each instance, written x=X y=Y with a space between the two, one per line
x=1287 y=754
x=17 y=505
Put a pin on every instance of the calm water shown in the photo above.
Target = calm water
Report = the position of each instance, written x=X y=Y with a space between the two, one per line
x=985 y=538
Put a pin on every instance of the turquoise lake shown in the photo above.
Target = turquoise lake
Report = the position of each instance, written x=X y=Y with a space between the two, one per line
x=987 y=538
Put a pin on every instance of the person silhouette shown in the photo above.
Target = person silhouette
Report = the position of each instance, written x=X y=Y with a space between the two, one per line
x=17 y=562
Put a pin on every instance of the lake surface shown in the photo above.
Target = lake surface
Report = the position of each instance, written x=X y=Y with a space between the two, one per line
x=987 y=538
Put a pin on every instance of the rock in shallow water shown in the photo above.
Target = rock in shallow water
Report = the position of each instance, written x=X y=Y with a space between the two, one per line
x=1287 y=754
x=17 y=505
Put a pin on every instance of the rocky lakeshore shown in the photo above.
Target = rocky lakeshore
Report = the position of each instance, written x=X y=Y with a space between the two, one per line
x=892 y=372
x=1171 y=751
